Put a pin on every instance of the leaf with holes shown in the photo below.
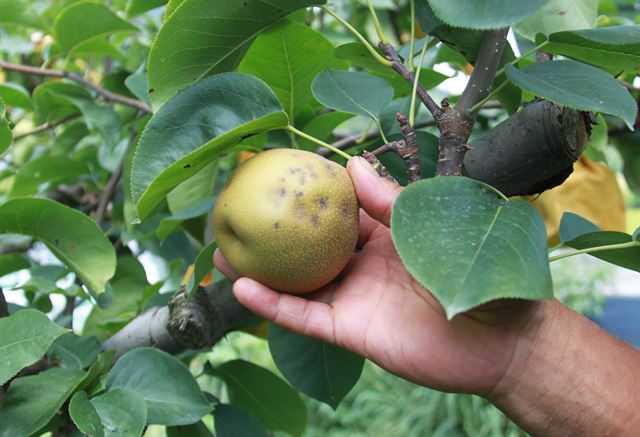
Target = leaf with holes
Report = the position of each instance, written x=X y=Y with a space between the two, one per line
x=467 y=246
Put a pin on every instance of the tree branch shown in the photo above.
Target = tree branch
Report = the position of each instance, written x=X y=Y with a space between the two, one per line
x=4 y=308
x=46 y=126
x=106 y=94
x=410 y=76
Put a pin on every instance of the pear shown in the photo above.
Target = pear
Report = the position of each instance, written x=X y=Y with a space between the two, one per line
x=288 y=219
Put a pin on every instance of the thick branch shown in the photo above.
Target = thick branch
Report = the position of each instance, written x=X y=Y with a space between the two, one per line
x=106 y=94
x=188 y=323
x=410 y=77
x=484 y=70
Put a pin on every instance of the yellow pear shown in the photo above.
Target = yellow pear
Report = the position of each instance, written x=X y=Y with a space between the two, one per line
x=288 y=219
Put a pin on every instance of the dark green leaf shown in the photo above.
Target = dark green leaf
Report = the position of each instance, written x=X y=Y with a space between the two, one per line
x=168 y=225
x=32 y=401
x=559 y=15
x=171 y=393
x=636 y=235
x=322 y=127
x=572 y=226
x=24 y=337
x=196 y=126
x=281 y=56
x=101 y=365
x=84 y=415
x=318 y=369
x=137 y=7
x=198 y=429
x=612 y=48
x=84 y=20
x=202 y=266
x=6 y=136
x=123 y=412
x=467 y=246
x=74 y=351
x=186 y=39
x=350 y=91
x=234 y=422
x=576 y=85
x=72 y=236
x=484 y=14
x=45 y=173
x=12 y=262
x=357 y=54
x=628 y=258
x=263 y=394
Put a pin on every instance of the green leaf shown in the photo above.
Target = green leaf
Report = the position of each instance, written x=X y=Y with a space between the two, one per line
x=19 y=12
x=72 y=236
x=559 y=15
x=123 y=412
x=45 y=173
x=357 y=54
x=628 y=258
x=32 y=401
x=598 y=143
x=12 y=262
x=428 y=148
x=24 y=338
x=171 y=393
x=233 y=422
x=6 y=136
x=84 y=20
x=572 y=226
x=211 y=43
x=137 y=7
x=322 y=127
x=74 y=351
x=15 y=95
x=101 y=365
x=350 y=91
x=467 y=246
x=196 y=190
x=194 y=128
x=70 y=136
x=484 y=14
x=168 y=224
x=84 y=415
x=280 y=56
x=576 y=85
x=612 y=48
x=202 y=266
x=261 y=393
x=320 y=370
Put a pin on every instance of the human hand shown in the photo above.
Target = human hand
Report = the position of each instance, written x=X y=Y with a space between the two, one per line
x=377 y=309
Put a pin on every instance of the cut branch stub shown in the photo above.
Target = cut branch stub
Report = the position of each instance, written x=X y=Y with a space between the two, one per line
x=532 y=151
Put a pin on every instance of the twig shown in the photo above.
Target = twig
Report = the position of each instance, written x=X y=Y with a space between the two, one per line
x=410 y=153
x=106 y=94
x=4 y=308
x=377 y=165
x=46 y=126
x=409 y=76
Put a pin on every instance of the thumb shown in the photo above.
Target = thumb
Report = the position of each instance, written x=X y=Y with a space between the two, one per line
x=375 y=194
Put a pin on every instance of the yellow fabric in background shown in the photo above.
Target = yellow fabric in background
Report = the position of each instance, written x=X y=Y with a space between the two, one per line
x=591 y=192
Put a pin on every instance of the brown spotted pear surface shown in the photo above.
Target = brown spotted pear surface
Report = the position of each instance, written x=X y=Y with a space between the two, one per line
x=288 y=219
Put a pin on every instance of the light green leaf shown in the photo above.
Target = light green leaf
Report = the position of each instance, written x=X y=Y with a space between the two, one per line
x=350 y=91
x=137 y=7
x=19 y=12
x=194 y=128
x=560 y=15
x=261 y=393
x=171 y=393
x=467 y=246
x=6 y=136
x=203 y=44
x=576 y=85
x=357 y=54
x=234 y=422
x=84 y=415
x=612 y=48
x=24 y=337
x=84 y=20
x=195 y=190
x=320 y=370
x=287 y=57
x=123 y=412
x=32 y=401
x=484 y=14
x=15 y=95
x=72 y=236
